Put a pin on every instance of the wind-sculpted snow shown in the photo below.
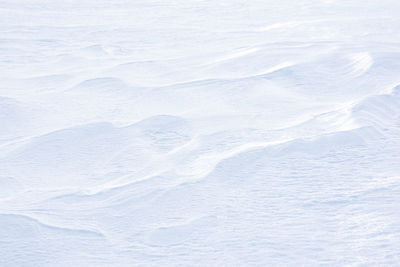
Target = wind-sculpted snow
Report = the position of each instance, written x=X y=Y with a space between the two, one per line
x=199 y=133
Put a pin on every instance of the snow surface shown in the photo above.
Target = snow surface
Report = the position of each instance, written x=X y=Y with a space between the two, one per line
x=199 y=133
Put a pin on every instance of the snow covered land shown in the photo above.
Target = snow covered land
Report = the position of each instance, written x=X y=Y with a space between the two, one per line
x=199 y=133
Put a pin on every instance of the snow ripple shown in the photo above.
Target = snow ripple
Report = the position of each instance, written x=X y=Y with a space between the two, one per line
x=199 y=134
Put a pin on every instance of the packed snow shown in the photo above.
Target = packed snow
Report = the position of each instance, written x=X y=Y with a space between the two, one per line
x=199 y=133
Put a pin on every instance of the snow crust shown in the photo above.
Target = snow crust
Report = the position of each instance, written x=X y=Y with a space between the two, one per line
x=199 y=133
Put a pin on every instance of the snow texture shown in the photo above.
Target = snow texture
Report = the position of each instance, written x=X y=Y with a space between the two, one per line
x=199 y=133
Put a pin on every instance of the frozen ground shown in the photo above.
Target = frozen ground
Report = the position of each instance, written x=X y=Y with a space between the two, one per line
x=199 y=133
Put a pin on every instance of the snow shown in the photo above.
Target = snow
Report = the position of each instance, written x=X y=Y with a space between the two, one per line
x=199 y=133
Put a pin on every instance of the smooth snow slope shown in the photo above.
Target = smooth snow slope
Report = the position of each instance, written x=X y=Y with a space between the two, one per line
x=199 y=133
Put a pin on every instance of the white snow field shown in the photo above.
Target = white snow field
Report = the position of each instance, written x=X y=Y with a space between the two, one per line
x=199 y=133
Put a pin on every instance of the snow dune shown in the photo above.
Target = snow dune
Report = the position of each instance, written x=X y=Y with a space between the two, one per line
x=199 y=133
